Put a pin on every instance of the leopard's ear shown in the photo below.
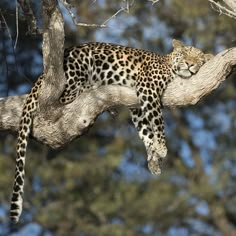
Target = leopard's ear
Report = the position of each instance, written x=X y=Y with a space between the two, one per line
x=177 y=44
x=208 y=57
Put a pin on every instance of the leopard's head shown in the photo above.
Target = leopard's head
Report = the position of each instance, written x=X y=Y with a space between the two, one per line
x=187 y=60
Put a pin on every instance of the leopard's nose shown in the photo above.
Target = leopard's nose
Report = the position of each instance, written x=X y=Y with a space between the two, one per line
x=190 y=63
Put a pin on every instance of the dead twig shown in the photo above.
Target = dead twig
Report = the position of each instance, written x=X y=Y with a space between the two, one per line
x=69 y=8
x=17 y=25
x=153 y=1
x=222 y=9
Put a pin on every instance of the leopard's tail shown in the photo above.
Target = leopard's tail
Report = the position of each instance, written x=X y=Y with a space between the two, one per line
x=29 y=108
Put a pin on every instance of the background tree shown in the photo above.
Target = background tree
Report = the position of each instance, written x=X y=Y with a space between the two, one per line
x=99 y=184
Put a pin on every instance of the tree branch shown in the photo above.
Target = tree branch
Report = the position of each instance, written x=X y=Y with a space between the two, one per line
x=29 y=16
x=229 y=9
x=75 y=118
x=69 y=7
x=53 y=53
x=231 y=4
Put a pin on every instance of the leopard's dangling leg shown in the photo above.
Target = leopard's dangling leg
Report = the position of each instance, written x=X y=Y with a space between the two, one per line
x=149 y=123
x=154 y=140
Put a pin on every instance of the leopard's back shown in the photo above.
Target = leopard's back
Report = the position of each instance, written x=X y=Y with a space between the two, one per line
x=97 y=64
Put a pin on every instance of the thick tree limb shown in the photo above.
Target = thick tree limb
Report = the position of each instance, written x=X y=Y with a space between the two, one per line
x=231 y=4
x=77 y=117
x=53 y=47
x=53 y=53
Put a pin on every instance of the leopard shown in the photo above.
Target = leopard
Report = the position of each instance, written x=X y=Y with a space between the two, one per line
x=91 y=65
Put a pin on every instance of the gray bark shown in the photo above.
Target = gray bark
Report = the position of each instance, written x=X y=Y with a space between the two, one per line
x=53 y=52
x=231 y=4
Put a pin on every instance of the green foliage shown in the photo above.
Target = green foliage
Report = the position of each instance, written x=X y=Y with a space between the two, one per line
x=99 y=184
